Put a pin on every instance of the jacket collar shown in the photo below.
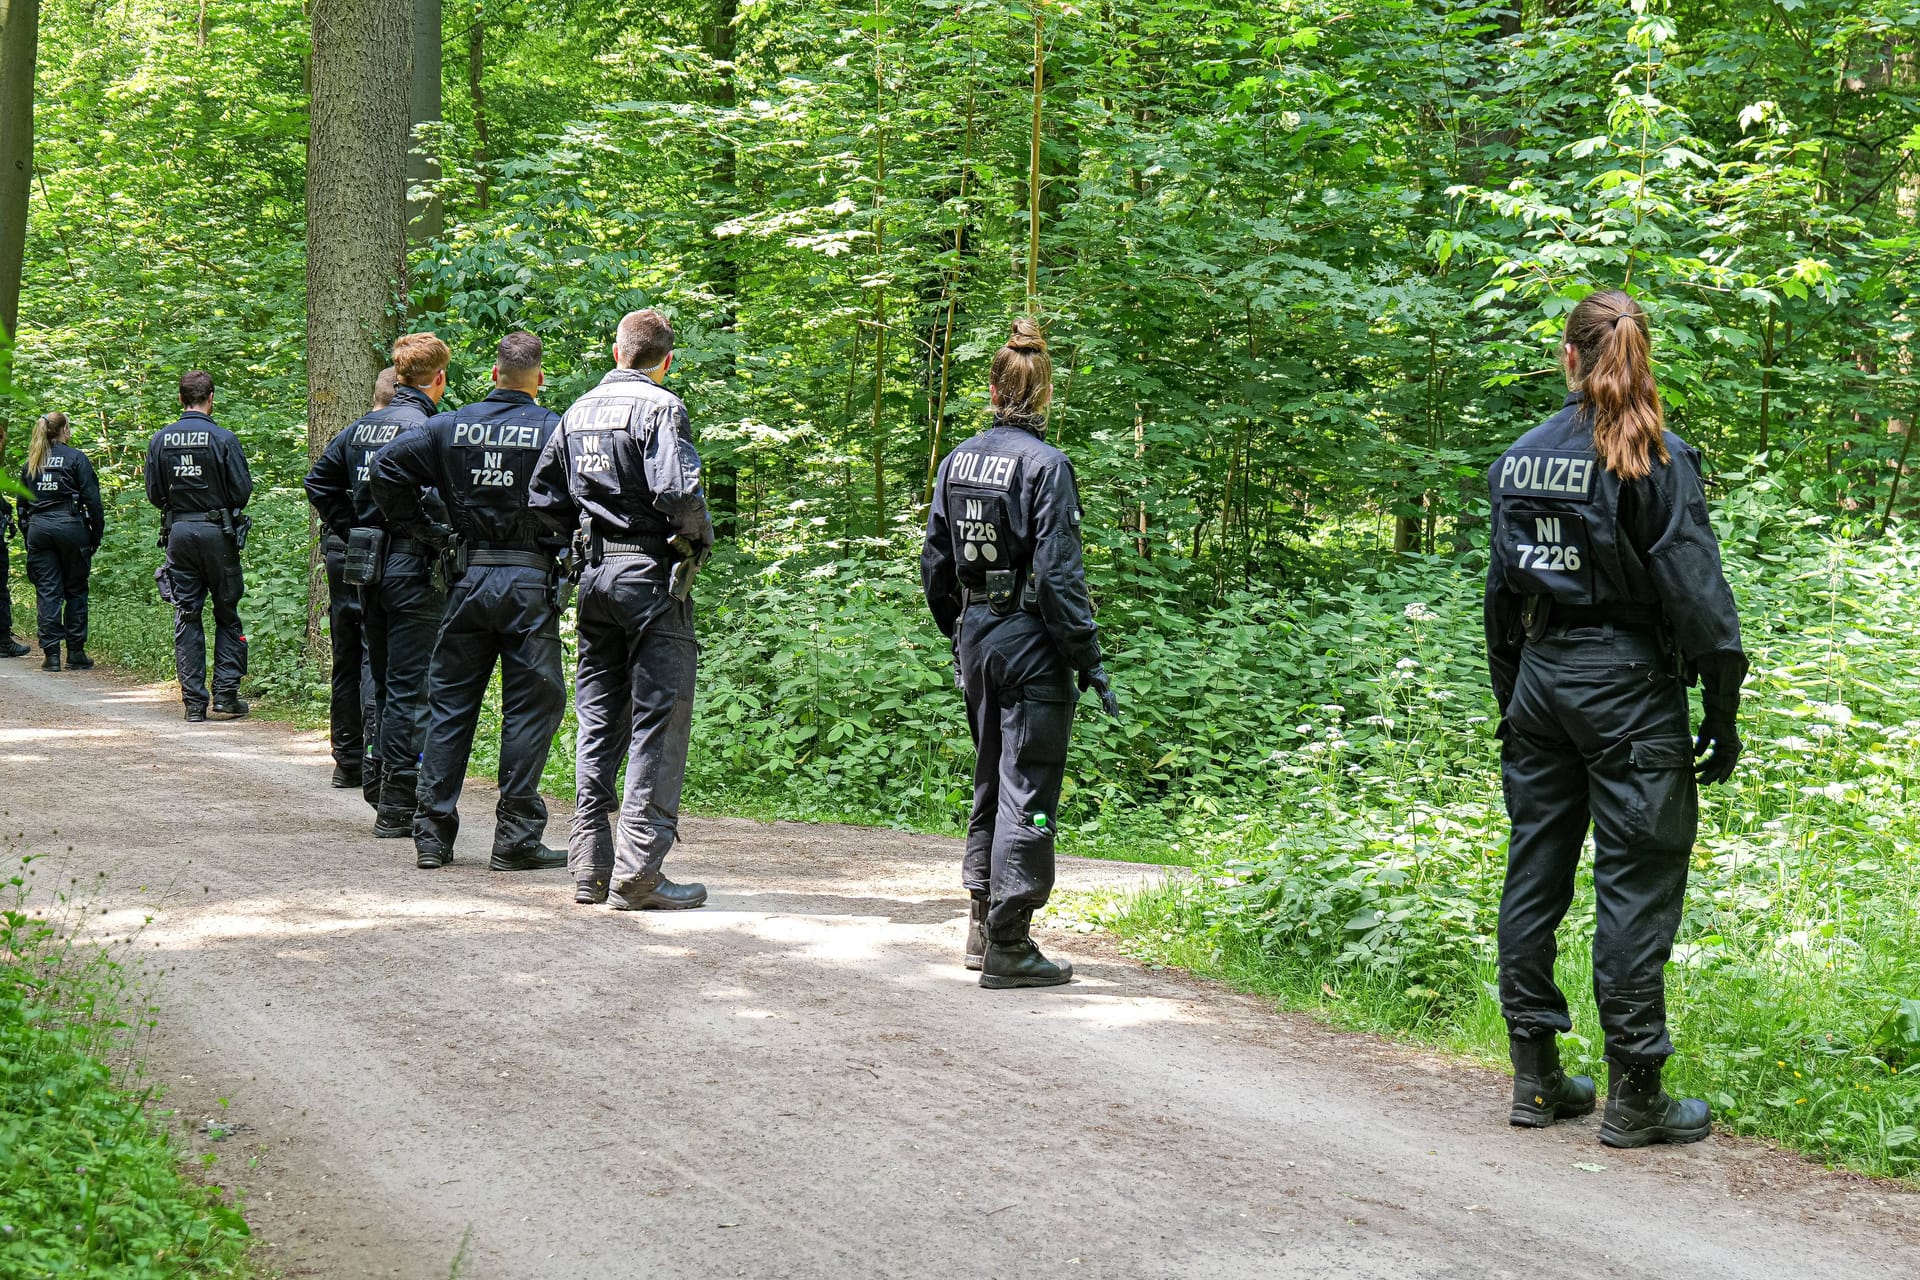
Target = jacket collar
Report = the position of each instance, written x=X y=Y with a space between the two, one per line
x=416 y=397
x=195 y=413
x=627 y=375
x=505 y=395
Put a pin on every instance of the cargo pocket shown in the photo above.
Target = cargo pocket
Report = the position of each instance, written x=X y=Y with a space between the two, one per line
x=1045 y=724
x=1664 y=802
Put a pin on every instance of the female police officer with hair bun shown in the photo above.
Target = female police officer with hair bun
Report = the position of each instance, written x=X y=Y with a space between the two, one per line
x=62 y=520
x=1604 y=596
x=1004 y=577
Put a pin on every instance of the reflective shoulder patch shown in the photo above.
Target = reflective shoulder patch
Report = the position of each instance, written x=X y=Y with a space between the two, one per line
x=1075 y=517
x=1527 y=474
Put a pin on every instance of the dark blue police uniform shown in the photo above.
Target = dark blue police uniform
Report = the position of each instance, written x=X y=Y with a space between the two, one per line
x=504 y=608
x=1603 y=597
x=1003 y=574
x=400 y=612
x=61 y=522
x=197 y=476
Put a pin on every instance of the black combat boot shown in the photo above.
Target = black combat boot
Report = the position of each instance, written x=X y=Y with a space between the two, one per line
x=1640 y=1112
x=656 y=893
x=536 y=858
x=590 y=892
x=1542 y=1092
x=11 y=648
x=230 y=704
x=1014 y=961
x=52 y=661
x=196 y=715
x=345 y=778
x=430 y=857
x=388 y=825
x=77 y=659
x=977 y=932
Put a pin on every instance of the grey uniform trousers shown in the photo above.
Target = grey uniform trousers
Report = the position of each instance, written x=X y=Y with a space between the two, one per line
x=634 y=701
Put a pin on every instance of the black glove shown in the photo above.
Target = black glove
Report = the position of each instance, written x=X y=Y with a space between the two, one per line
x=1095 y=677
x=1721 y=675
x=436 y=535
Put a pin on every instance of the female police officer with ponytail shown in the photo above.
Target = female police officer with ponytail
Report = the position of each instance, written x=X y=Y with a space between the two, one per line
x=62 y=520
x=1004 y=577
x=1604 y=596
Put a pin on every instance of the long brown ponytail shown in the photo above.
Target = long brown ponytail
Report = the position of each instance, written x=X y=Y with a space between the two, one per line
x=1022 y=373
x=46 y=434
x=1610 y=332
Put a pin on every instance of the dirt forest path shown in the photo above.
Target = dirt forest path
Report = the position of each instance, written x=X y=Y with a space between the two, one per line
x=799 y=1080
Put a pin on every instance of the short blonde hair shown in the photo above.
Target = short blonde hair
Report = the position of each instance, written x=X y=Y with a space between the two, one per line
x=418 y=356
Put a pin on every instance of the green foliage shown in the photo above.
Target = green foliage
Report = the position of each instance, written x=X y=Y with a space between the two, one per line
x=1370 y=887
x=89 y=1185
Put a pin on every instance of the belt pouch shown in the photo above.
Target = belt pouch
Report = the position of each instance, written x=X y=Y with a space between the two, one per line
x=366 y=558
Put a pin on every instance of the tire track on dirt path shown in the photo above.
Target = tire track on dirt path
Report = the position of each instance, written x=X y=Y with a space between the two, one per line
x=798 y=1080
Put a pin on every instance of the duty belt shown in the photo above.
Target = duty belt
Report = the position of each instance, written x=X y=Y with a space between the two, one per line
x=645 y=544
x=491 y=556
x=1029 y=598
x=410 y=547
x=196 y=517
x=1624 y=617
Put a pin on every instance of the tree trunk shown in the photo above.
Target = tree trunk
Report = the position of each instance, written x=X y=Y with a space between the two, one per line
x=19 y=47
x=477 y=91
x=423 y=107
x=356 y=220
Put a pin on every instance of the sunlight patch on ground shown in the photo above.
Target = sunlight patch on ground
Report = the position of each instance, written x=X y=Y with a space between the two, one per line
x=43 y=735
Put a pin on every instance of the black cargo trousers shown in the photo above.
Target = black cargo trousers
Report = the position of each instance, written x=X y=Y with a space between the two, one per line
x=504 y=614
x=350 y=714
x=401 y=614
x=634 y=685
x=58 y=562
x=1020 y=701
x=203 y=563
x=1597 y=734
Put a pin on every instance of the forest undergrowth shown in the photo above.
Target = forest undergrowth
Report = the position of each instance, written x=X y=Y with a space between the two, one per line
x=90 y=1183
x=1324 y=758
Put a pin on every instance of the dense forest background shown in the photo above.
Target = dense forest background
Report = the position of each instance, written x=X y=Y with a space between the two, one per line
x=1303 y=265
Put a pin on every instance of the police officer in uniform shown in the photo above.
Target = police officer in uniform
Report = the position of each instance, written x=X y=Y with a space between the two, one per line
x=504 y=607
x=9 y=647
x=1604 y=595
x=401 y=604
x=61 y=521
x=622 y=467
x=1003 y=575
x=197 y=476
x=350 y=709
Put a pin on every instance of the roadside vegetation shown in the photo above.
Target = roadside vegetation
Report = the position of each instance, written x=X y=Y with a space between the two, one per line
x=1303 y=264
x=90 y=1185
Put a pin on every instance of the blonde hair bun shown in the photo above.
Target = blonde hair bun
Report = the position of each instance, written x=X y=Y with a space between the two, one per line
x=1026 y=336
